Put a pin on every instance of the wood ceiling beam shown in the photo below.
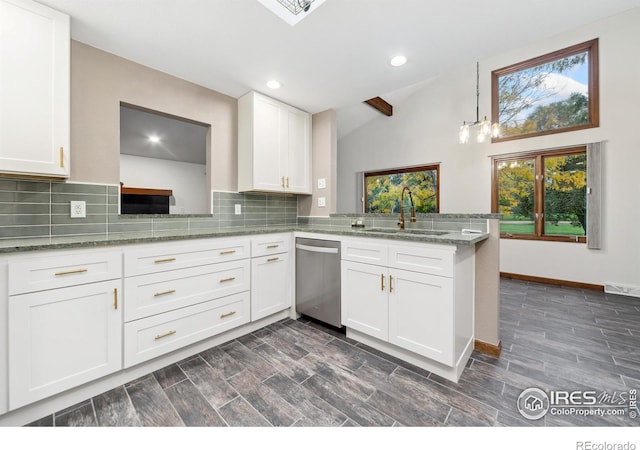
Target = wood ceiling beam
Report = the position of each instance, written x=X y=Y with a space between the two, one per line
x=381 y=105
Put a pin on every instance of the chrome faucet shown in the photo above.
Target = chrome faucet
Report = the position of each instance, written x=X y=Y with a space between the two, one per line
x=413 y=209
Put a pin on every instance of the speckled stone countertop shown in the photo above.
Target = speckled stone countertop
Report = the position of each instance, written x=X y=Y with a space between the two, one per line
x=93 y=241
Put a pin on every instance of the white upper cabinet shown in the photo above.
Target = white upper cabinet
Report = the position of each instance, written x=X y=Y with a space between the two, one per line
x=274 y=146
x=34 y=89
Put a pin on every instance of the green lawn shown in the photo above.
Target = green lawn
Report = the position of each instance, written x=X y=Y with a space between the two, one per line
x=527 y=228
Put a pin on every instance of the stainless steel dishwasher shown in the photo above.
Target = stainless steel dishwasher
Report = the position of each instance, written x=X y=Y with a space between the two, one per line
x=318 y=280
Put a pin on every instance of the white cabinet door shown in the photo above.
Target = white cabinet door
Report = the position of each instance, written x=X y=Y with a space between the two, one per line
x=34 y=89
x=364 y=298
x=270 y=285
x=274 y=146
x=62 y=338
x=267 y=144
x=421 y=314
x=298 y=178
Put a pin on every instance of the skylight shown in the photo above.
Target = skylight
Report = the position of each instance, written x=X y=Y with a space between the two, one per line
x=292 y=11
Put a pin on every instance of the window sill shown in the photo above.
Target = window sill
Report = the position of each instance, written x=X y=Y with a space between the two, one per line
x=526 y=237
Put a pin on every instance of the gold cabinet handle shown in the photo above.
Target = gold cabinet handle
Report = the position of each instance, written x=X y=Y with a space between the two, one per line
x=115 y=298
x=382 y=282
x=230 y=313
x=227 y=252
x=390 y=283
x=287 y=181
x=282 y=182
x=224 y=280
x=159 y=294
x=273 y=246
x=69 y=272
x=169 y=333
x=164 y=260
x=62 y=157
x=272 y=259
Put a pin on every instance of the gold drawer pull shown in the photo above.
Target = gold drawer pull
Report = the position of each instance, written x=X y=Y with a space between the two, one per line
x=169 y=333
x=62 y=157
x=69 y=272
x=158 y=294
x=231 y=313
x=224 y=280
x=272 y=259
x=115 y=298
x=158 y=261
x=227 y=252
x=273 y=246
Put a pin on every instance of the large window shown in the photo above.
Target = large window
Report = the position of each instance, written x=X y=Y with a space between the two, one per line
x=552 y=93
x=542 y=195
x=383 y=189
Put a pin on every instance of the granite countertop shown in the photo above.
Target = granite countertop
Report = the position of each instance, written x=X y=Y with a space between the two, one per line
x=71 y=242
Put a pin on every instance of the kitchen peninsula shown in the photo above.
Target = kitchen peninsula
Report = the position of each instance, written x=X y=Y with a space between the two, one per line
x=150 y=303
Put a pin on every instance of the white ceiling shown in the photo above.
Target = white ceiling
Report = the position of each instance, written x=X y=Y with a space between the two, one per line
x=336 y=57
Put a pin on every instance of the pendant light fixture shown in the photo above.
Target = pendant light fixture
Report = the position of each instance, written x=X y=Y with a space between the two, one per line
x=484 y=127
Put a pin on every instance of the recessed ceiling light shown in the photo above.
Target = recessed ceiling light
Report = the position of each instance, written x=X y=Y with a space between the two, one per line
x=399 y=60
x=273 y=84
x=154 y=139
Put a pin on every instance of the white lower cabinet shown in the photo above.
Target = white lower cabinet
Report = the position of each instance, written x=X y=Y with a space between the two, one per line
x=365 y=302
x=424 y=315
x=178 y=294
x=421 y=314
x=158 y=334
x=409 y=309
x=62 y=338
x=77 y=319
x=270 y=285
x=271 y=274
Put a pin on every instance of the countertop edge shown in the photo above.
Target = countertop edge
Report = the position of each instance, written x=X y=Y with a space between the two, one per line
x=39 y=244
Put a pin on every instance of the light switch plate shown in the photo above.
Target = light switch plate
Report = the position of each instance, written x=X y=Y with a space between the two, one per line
x=78 y=209
x=322 y=183
x=238 y=209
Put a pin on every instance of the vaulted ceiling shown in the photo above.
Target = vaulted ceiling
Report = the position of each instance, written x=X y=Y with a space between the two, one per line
x=336 y=57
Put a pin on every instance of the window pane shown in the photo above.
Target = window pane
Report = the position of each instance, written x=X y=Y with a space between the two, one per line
x=516 y=196
x=565 y=200
x=384 y=191
x=546 y=97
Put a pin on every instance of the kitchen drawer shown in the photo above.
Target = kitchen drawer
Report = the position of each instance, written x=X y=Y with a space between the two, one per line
x=366 y=251
x=39 y=273
x=157 y=293
x=424 y=259
x=270 y=244
x=179 y=255
x=154 y=336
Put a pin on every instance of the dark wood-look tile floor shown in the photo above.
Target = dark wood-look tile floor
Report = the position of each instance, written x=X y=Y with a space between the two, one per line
x=298 y=373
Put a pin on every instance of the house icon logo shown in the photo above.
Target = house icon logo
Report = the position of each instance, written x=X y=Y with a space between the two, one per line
x=533 y=403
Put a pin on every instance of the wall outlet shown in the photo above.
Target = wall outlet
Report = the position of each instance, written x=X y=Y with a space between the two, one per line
x=78 y=209
x=322 y=183
x=322 y=202
x=238 y=209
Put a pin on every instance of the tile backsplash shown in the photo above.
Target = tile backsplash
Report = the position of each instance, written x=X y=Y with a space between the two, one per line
x=41 y=209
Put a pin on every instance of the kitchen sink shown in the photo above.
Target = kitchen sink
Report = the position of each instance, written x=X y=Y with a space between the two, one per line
x=411 y=231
